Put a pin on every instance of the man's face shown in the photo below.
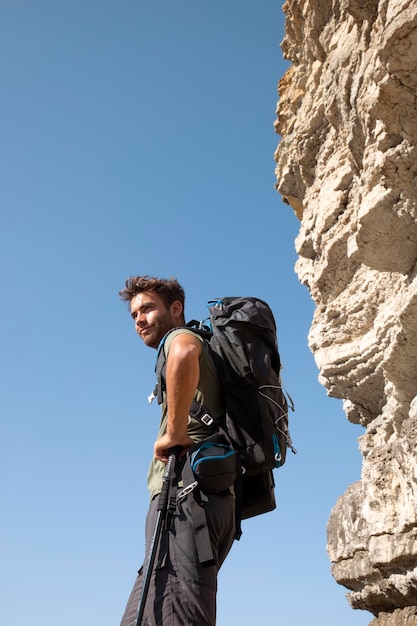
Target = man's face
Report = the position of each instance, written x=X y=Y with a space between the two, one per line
x=153 y=318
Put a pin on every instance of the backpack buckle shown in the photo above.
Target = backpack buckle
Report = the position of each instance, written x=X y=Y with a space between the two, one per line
x=199 y=413
x=206 y=419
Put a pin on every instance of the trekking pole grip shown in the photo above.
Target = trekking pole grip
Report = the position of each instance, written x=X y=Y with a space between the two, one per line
x=163 y=498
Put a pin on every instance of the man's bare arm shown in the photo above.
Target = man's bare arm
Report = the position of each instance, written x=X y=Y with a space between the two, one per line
x=182 y=376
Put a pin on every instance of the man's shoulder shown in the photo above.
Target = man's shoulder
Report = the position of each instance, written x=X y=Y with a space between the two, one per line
x=179 y=331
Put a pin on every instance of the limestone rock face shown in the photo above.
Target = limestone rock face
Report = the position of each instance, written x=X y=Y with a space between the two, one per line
x=347 y=164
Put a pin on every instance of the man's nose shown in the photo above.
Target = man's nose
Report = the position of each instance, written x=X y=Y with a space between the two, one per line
x=140 y=318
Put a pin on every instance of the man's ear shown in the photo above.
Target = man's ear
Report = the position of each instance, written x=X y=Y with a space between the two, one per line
x=177 y=310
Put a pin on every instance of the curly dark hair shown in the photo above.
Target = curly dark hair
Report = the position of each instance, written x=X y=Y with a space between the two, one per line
x=168 y=289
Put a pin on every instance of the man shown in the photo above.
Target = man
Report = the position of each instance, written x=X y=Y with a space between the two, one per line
x=182 y=590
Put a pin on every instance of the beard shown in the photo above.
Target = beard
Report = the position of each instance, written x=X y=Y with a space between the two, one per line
x=154 y=333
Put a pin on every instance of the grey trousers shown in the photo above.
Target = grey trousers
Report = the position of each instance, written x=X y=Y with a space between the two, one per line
x=183 y=592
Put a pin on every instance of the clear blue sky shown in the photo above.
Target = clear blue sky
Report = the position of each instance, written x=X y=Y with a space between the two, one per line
x=137 y=137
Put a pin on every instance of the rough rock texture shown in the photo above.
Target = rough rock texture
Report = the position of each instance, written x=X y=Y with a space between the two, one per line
x=347 y=164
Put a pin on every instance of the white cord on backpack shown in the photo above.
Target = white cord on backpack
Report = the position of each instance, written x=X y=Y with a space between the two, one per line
x=285 y=413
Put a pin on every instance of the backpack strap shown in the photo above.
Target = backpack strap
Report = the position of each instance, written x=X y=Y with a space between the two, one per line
x=238 y=502
x=199 y=412
x=198 y=515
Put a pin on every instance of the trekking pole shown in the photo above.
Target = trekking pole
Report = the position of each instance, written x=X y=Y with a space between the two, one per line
x=162 y=511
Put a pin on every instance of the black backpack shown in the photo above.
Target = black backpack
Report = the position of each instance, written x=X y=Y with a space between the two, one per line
x=243 y=342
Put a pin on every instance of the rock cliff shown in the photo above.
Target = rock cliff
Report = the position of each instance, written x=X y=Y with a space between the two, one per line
x=347 y=165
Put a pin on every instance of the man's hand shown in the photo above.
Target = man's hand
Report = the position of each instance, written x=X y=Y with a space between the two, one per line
x=164 y=445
